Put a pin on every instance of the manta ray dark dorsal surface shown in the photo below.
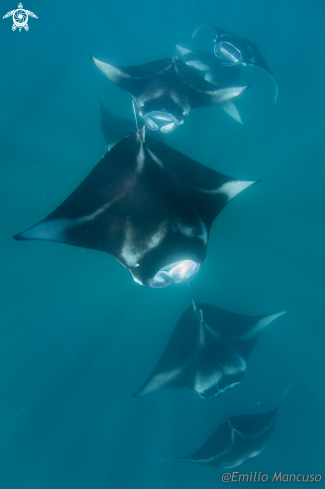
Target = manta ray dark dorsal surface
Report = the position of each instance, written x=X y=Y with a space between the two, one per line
x=146 y=204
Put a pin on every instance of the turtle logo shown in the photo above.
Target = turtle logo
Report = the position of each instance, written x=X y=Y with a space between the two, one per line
x=20 y=18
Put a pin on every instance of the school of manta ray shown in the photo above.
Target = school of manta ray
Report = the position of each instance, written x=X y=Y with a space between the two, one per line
x=152 y=208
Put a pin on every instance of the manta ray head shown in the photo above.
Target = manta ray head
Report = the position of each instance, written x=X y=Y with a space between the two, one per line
x=156 y=120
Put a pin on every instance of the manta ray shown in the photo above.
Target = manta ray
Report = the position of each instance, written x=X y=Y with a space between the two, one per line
x=146 y=204
x=207 y=351
x=167 y=90
x=237 y=440
x=235 y=50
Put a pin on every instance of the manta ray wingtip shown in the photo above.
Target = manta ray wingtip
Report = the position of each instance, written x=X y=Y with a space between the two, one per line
x=94 y=60
x=24 y=236
x=138 y=394
x=283 y=396
x=276 y=91
x=250 y=183
x=200 y=27
x=247 y=87
x=19 y=237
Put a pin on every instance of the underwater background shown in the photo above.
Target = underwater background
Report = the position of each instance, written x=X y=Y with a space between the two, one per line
x=77 y=335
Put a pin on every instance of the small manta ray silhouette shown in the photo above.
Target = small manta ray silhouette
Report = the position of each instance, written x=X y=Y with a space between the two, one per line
x=20 y=18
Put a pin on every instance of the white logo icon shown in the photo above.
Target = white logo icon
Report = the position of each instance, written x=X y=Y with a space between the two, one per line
x=20 y=18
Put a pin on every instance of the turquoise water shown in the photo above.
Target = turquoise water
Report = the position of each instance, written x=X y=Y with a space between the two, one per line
x=78 y=336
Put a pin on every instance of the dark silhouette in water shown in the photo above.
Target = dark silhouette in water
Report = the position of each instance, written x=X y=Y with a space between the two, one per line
x=207 y=351
x=236 y=440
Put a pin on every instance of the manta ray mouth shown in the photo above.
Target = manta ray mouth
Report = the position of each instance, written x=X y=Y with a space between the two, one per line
x=155 y=121
x=178 y=272
x=228 y=52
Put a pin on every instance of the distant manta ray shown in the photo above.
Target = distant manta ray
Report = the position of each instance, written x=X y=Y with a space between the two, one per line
x=236 y=440
x=207 y=351
x=235 y=50
x=166 y=91
x=212 y=70
x=148 y=205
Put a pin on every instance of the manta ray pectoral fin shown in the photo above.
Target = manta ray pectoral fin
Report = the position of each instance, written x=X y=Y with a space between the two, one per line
x=203 y=26
x=133 y=79
x=232 y=188
x=262 y=324
x=183 y=51
x=114 y=73
x=224 y=94
x=276 y=87
x=121 y=76
x=230 y=108
x=283 y=396
x=159 y=381
x=264 y=67
x=198 y=65
x=52 y=230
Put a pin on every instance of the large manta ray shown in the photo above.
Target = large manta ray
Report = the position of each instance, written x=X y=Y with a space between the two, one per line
x=207 y=351
x=146 y=204
x=115 y=128
x=236 y=440
x=213 y=70
x=166 y=91
x=235 y=50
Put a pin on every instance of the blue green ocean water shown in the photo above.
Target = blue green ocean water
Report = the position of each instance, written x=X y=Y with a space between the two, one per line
x=77 y=336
